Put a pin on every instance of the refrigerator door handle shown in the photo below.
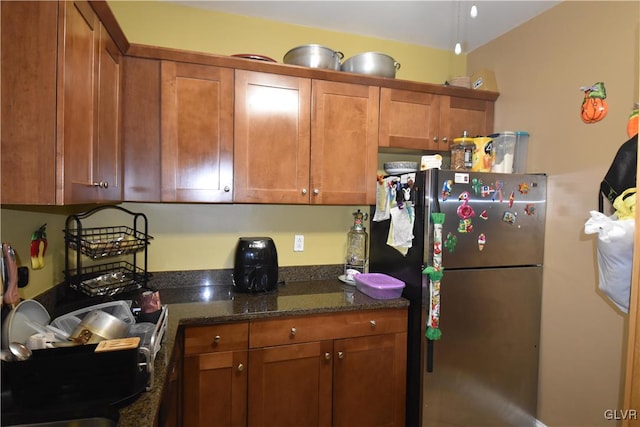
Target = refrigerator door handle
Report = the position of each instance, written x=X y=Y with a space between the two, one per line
x=429 y=355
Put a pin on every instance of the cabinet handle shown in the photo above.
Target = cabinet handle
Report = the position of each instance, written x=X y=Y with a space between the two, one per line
x=445 y=140
x=435 y=139
x=372 y=323
x=240 y=367
x=101 y=184
x=293 y=331
x=227 y=188
x=316 y=191
x=340 y=355
x=327 y=355
x=216 y=340
x=304 y=191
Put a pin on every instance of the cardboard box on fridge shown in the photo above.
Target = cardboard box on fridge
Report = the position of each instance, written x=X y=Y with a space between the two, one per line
x=484 y=80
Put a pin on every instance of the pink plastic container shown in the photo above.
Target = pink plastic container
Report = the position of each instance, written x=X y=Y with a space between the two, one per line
x=379 y=286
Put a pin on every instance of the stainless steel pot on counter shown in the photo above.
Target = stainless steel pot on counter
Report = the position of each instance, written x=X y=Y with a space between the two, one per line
x=314 y=56
x=372 y=63
x=99 y=325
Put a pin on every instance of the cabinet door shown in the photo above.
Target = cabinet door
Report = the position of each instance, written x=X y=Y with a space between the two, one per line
x=369 y=381
x=409 y=120
x=290 y=386
x=344 y=143
x=271 y=138
x=107 y=153
x=76 y=95
x=141 y=129
x=475 y=116
x=28 y=102
x=215 y=389
x=196 y=132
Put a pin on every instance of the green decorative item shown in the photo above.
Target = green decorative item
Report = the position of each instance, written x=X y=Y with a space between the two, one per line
x=435 y=273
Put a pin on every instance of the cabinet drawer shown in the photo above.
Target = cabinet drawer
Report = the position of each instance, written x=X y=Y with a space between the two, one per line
x=270 y=332
x=214 y=338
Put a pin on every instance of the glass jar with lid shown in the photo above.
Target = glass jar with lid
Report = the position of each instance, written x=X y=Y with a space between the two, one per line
x=462 y=153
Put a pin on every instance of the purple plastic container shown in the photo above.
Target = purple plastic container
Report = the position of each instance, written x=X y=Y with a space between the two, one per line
x=379 y=286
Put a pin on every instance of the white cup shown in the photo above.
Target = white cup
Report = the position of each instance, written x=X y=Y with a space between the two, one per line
x=40 y=341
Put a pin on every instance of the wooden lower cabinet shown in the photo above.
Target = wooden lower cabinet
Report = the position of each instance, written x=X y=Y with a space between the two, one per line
x=369 y=381
x=215 y=375
x=340 y=369
x=291 y=385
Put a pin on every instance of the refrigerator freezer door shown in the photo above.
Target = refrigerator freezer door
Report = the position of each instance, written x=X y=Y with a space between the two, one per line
x=485 y=366
x=492 y=220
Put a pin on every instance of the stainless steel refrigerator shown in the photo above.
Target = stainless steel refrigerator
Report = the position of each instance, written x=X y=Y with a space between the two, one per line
x=483 y=370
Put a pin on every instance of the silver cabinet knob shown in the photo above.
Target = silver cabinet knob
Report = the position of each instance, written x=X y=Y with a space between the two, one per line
x=304 y=191
x=340 y=355
x=435 y=139
x=293 y=331
x=372 y=323
x=327 y=355
x=316 y=191
x=445 y=140
x=227 y=189
x=101 y=184
x=240 y=367
x=216 y=339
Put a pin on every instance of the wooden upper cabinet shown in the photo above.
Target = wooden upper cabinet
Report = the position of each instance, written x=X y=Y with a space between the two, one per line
x=424 y=121
x=141 y=129
x=271 y=138
x=344 y=143
x=409 y=119
x=89 y=117
x=457 y=115
x=304 y=141
x=196 y=133
x=60 y=104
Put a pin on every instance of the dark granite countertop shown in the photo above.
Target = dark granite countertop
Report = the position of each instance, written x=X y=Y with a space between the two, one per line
x=201 y=305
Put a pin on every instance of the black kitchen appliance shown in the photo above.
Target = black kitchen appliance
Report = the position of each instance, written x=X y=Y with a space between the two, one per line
x=256 y=265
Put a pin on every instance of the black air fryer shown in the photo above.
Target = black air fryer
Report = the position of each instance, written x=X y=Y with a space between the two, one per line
x=256 y=265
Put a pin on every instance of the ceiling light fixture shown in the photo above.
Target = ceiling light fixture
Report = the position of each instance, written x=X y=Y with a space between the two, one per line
x=458 y=48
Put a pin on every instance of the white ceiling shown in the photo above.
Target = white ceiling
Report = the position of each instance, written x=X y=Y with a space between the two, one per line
x=431 y=23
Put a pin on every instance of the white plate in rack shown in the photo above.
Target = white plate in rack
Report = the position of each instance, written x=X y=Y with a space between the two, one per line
x=400 y=171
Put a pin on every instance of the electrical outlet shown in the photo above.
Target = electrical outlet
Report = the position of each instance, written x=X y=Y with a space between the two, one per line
x=298 y=243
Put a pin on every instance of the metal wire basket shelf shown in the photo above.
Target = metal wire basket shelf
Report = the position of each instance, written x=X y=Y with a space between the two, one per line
x=109 y=279
x=100 y=242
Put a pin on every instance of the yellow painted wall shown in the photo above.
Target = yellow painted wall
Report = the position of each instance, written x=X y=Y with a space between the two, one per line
x=172 y=25
x=540 y=67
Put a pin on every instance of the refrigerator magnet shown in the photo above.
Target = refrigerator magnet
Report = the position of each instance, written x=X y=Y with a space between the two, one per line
x=498 y=191
x=530 y=209
x=510 y=217
x=465 y=226
x=523 y=188
x=465 y=211
x=446 y=189
x=450 y=242
x=482 y=240
x=477 y=185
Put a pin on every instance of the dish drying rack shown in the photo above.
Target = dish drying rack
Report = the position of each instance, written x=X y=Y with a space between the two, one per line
x=150 y=341
x=99 y=243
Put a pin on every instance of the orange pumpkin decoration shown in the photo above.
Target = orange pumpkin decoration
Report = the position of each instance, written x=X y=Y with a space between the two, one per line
x=594 y=107
x=632 y=123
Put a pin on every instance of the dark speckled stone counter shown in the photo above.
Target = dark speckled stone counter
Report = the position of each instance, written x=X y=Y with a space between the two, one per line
x=202 y=304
